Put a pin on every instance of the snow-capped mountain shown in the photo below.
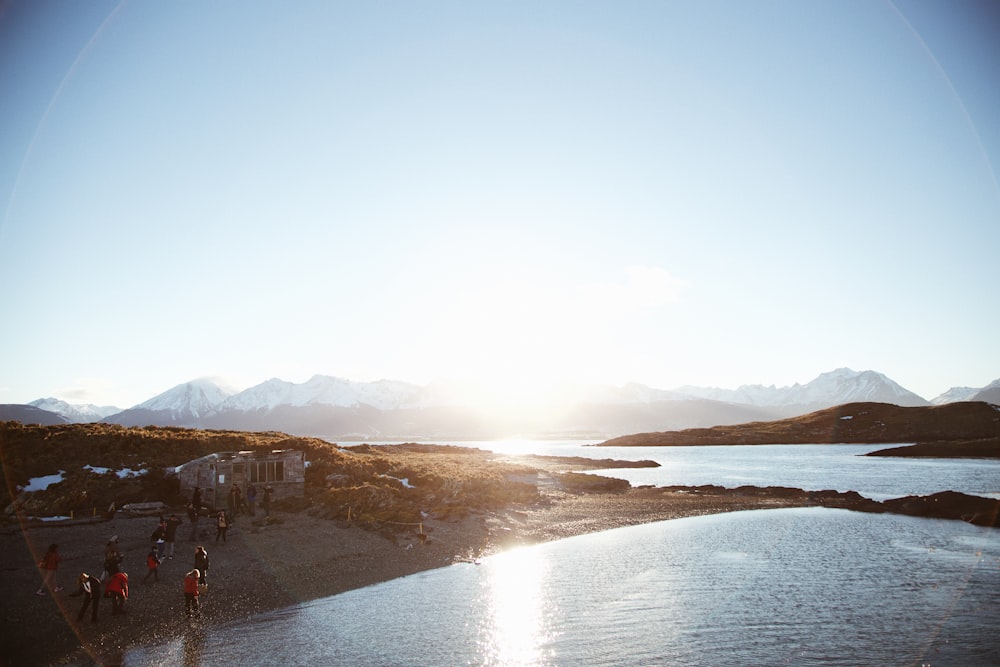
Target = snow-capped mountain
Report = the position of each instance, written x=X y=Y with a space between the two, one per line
x=81 y=413
x=325 y=390
x=836 y=387
x=197 y=397
x=990 y=393
x=184 y=405
x=956 y=394
x=331 y=406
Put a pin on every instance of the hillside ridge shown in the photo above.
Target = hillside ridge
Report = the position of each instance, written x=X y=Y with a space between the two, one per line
x=859 y=423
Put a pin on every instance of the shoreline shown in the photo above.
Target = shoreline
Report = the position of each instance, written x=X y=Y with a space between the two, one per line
x=293 y=558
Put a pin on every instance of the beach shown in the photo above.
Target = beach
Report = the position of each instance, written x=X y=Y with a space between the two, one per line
x=291 y=557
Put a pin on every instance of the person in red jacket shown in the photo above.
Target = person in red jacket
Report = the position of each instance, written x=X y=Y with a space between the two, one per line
x=117 y=590
x=49 y=565
x=153 y=563
x=191 y=593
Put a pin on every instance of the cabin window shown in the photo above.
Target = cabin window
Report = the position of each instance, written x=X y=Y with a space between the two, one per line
x=238 y=469
x=267 y=471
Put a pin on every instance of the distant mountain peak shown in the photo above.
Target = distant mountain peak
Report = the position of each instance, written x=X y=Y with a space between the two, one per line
x=196 y=398
x=79 y=413
x=330 y=405
x=841 y=385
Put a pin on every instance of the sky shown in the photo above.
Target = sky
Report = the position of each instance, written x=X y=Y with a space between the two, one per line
x=709 y=193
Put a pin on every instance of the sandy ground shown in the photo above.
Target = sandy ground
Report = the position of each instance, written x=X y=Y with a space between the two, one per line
x=265 y=565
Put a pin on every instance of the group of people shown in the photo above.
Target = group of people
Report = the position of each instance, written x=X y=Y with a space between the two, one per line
x=114 y=580
x=238 y=503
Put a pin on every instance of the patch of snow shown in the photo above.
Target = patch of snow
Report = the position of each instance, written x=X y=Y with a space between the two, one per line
x=848 y=417
x=42 y=483
x=122 y=474
x=405 y=481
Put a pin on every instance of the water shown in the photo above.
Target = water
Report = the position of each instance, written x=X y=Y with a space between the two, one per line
x=805 y=587
x=808 y=586
x=809 y=467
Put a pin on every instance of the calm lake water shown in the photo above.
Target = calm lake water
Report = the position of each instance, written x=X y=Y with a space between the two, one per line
x=809 y=467
x=808 y=586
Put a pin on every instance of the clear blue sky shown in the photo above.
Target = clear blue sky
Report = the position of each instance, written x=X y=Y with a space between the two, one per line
x=707 y=193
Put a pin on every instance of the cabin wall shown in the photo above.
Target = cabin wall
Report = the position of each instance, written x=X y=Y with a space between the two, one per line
x=215 y=475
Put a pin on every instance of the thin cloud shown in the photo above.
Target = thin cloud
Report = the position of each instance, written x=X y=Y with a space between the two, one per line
x=645 y=288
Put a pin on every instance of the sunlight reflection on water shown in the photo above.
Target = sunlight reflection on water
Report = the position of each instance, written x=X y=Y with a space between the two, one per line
x=516 y=628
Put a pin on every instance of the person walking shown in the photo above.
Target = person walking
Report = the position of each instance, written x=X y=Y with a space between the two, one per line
x=201 y=564
x=112 y=558
x=153 y=563
x=221 y=526
x=49 y=566
x=191 y=593
x=193 y=518
x=252 y=500
x=241 y=504
x=159 y=531
x=268 y=492
x=117 y=590
x=173 y=523
x=90 y=588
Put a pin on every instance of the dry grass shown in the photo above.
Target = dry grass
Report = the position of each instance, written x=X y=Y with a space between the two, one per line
x=384 y=486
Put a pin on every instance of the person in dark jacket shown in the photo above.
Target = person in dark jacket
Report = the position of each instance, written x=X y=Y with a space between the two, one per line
x=90 y=589
x=252 y=500
x=173 y=523
x=268 y=493
x=201 y=564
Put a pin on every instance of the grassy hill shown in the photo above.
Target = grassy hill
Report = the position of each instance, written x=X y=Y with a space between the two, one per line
x=365 y=480
x=848 y=423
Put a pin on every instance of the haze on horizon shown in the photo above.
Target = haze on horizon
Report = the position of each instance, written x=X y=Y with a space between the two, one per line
x=670 y=193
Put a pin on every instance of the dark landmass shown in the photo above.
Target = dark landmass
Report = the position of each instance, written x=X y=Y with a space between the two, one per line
x=583 y=463
x=861 y=423
x=29 y=414
x=987 y=448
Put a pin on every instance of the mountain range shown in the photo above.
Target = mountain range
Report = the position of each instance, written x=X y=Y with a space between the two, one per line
x=337 y=408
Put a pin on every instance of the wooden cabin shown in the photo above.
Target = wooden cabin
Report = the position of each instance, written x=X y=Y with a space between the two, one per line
x=215 y=474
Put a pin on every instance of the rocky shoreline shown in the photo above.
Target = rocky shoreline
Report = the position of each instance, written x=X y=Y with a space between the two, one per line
x=267 y=564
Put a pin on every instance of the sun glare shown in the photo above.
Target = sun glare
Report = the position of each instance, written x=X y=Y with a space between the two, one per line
x=516 y=630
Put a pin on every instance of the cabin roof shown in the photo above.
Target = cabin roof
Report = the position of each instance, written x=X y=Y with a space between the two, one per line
x=245 y=455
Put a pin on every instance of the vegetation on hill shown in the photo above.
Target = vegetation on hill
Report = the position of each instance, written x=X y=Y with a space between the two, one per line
x=986 y=448
x=105 y=463
x=848 y=423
